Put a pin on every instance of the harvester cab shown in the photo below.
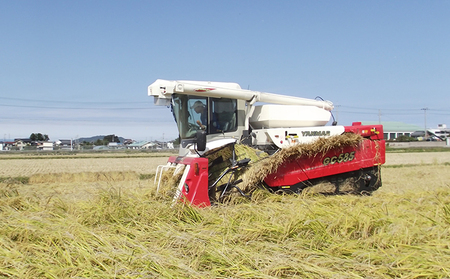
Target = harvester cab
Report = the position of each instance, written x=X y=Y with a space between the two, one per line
x=226 y=133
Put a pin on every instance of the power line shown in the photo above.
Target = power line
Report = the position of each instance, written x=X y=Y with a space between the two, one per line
x=383 y=109
x=81 y=118
x=85 y=108
x=72 y=102
x=386 y=111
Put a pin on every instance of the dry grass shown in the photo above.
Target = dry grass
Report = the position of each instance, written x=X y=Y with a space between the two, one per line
x=86 y=154
x=263 y=168
x=28 y=167
x=417 y=158
x=119 y=228
x=83 y=177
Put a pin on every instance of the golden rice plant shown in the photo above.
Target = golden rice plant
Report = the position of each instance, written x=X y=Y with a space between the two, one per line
x=116 y=228
x=122 y=231
x=83 y=177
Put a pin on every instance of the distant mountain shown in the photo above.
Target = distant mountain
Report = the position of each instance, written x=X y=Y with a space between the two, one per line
x=95 y=138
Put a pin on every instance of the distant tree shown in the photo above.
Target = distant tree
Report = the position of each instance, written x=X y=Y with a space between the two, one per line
x=404 y=138
x=177 y=140
x=87 y=145
x=111 y=138
x=98 y=142
x=39 y=137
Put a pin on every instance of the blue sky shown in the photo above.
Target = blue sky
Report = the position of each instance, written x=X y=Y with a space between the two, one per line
x=81 y=68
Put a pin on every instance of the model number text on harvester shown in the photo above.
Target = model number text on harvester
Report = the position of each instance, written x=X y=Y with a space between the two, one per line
x=343 y=157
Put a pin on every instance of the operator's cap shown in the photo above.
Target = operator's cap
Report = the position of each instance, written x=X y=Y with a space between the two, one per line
x=198 y=104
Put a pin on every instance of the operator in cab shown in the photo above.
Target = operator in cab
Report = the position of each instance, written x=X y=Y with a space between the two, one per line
x=201 y=109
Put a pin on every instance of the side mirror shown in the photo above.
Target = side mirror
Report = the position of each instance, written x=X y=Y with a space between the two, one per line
x=201 y=140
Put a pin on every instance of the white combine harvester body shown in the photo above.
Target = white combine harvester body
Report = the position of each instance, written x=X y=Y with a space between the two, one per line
x=210 y=116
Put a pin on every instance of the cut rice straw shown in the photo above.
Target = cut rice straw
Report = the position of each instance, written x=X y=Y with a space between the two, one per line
x=260 y=170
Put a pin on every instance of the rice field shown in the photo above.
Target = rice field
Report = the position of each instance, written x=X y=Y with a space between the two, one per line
x=102 y=218
x=26 y=166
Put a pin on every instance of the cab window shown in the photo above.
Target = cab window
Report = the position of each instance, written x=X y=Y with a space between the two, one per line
x=223 y=115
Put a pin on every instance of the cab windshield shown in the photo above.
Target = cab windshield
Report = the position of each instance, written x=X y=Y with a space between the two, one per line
x=193 y=113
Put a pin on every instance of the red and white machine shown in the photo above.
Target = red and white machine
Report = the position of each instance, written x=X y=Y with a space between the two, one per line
x=214 y=114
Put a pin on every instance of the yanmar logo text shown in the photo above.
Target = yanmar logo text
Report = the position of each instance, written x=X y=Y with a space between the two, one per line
x=315 y=133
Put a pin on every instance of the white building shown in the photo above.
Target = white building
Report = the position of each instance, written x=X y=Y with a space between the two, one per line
x=393 y=130
x=45 y=145
x=141 y=145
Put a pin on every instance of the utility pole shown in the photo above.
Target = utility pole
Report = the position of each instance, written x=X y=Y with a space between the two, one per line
x=379 y=116
x=425 y=118
x=337 y=112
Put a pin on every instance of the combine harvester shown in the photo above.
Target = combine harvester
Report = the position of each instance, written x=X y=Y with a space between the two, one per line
x=235 y=140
